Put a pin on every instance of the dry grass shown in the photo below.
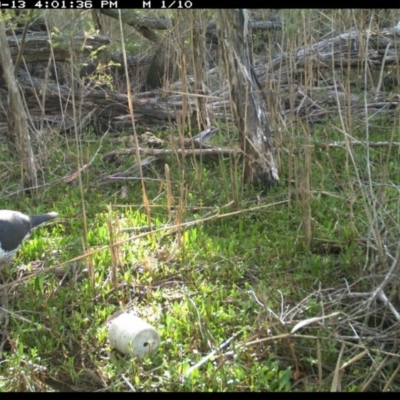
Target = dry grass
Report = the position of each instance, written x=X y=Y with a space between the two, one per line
x=305 y=282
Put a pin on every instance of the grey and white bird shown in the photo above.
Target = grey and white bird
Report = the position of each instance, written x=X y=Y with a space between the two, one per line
x=15 y=227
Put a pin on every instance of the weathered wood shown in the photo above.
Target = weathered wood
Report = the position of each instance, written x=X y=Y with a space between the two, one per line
x=160 y=108
x=341 y=51
x=168 y=60
x=342 y=145
x=166 y=23
x=198 y=51
x=18 y=133
x=144 y=24
x=156 y=156
x=249 y=103
x=131 y=17
x=211 y=151
x=39 y=46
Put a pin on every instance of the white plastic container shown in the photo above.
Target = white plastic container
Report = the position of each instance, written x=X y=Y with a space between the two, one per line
x=132 y=336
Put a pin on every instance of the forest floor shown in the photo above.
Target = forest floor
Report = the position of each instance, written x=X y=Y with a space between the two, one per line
x=204 y=259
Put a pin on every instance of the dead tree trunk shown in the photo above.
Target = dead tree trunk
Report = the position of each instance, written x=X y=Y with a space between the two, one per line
x=249 y=103
x=18 y=136
x=164 y=67
x=198 y=53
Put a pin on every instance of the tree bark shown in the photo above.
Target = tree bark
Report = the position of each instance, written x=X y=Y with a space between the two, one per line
x=198 y=52
x=18 y=134
x=130 y=17
x=166 y=64
x=249 y=103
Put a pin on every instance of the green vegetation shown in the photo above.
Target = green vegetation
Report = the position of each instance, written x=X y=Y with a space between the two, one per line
x=204 y=258
x=197 y=285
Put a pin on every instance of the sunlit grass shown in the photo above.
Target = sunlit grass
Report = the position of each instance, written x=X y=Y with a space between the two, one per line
x=193 y=284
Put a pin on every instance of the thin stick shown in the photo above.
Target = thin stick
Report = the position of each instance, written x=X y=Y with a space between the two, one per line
x=212 y=354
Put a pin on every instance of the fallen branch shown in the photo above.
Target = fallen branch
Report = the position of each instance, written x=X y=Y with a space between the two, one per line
x=357 y=143
x=214 y=151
